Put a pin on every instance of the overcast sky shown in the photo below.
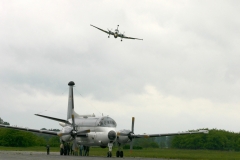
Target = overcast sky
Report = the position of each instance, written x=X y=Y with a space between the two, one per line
x=184 y=75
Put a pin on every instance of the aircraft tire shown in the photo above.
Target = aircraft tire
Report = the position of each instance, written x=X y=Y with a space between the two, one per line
x=65 y=151
x=61 y=152
x=121 y=154
x=117 y=154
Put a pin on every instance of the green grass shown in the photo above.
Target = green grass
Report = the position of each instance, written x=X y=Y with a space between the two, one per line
x=152 y=153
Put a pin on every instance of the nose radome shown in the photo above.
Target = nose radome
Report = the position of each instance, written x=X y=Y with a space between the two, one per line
x=111 y=135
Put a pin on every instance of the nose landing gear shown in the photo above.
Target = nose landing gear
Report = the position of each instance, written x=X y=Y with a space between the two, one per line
x=110 y=145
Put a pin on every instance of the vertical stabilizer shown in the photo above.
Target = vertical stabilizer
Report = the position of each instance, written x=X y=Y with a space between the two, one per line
x=70 y=100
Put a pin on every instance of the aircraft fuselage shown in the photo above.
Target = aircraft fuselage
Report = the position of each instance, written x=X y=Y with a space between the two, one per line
x=102 y=131
x=115 y=35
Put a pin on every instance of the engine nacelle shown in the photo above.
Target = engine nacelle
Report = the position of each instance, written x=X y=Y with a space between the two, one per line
x=123 y=139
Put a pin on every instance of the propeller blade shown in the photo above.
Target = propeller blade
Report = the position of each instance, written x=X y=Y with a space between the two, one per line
x=63 y=134
x=73 y=122
x=77 y=133
x=84 y=131
x=133 y=119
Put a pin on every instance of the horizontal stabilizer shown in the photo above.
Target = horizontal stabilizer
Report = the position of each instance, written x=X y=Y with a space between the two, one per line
x=55 y=119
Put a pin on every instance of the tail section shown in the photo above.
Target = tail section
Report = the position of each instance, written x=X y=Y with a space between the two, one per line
x=70 y=101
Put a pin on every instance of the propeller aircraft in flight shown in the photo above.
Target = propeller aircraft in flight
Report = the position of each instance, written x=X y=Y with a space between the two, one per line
x=90 y=130
x=116 y=33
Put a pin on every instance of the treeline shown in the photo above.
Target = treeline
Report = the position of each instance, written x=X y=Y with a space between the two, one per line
x=4 y=123
x=215 y=140
x=139 y=143
x=17 y=138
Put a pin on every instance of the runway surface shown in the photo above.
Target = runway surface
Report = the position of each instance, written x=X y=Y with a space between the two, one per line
x=28 y=155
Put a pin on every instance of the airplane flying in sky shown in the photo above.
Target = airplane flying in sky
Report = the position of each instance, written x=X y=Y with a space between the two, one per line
x=116 y=33
x=90 y=130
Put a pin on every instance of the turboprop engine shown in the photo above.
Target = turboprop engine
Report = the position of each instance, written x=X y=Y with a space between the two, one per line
x=125 y=136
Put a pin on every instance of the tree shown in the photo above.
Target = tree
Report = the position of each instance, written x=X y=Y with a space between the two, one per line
x=145 y=142
x=215 y=140
x=6 y=123
x=16 y=138
x=1 y=121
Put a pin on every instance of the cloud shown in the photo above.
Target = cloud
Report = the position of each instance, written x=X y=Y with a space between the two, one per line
x=189 y=57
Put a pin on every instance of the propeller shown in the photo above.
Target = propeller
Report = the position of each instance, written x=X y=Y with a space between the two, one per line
x=109 y=30
x=130 y=135
x=122 y=35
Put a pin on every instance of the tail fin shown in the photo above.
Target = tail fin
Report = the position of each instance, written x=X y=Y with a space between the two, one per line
x=70 y=100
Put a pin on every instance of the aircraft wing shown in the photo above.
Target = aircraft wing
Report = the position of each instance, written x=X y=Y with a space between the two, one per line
x=31 y=130
x=108 y=32
x=131 y=38
x=167 y=134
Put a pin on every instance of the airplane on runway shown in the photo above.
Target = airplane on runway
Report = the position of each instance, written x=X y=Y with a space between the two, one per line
x=90 y=130
x=116 y=33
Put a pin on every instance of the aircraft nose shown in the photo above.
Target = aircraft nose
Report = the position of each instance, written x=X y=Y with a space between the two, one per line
x=112 y=135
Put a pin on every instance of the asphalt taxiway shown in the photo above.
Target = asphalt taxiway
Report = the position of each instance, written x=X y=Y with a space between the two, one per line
x=28 y=155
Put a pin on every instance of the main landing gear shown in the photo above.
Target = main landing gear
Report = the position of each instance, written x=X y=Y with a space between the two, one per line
x=119 y=153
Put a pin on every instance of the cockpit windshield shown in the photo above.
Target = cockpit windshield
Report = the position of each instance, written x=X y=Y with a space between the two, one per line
x=107 y=122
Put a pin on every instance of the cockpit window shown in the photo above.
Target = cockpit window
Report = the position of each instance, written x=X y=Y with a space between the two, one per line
x=107 y=122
